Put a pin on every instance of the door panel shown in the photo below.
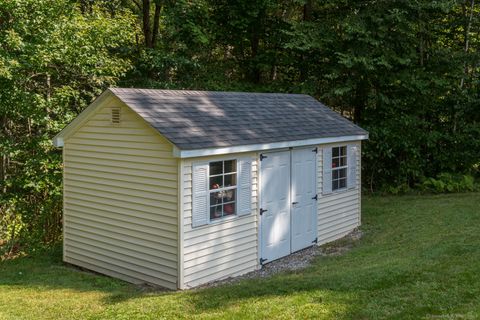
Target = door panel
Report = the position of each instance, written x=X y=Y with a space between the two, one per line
x=304 y=206
x=275 y=198
x=287 y=191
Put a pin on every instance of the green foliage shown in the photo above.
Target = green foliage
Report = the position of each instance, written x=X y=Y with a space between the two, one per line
x=53 y=62
x=393 y=66
x=407 y=71
x=446 y=182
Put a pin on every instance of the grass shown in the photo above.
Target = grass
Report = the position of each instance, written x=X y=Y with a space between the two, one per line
x=419 y=258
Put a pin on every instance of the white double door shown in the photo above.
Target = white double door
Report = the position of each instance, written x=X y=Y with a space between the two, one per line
x=288 y=203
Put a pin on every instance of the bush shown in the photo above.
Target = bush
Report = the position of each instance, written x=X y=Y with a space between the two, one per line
x=447 y=182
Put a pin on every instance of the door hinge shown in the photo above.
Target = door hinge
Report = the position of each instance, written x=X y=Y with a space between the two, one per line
x=316 y=197
x=315 y=150
x=315 y=241
x=262 y=211
x=262 y=156
x=262 y=261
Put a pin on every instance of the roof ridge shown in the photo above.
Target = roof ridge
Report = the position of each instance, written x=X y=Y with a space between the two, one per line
x=203 y=92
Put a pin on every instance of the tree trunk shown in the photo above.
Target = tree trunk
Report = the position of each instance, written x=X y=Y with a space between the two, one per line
x=255 y=71
x=465 y=48
x=156 y=23
x=357 y=113
x=4 y=159
x=467 y=40
x=359 y=101
x=147 y=32
x=307 y=10
x=150 y=32
x=307 y=16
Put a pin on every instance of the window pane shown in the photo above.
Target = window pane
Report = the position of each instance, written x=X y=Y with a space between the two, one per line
x=230 y=166
x=342 y=173
x=216 y=198
x=229 y=209
x=342 y=183
x=216 y=168
x=230 y=180
x=229 y=195
x=343 y=151
x=335 y=162
x=335 y=152
x=215 y=212
x=216 y=182
x=335 y=174
x=334 y=184
x=343 y=161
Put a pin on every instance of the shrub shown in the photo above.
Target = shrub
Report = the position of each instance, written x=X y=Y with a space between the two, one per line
x=448 y=182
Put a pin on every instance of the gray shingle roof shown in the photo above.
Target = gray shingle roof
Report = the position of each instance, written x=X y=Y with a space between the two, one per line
x=206 y=119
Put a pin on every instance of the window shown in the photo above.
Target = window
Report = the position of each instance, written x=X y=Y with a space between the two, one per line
x=339 y=168
x=223 y=188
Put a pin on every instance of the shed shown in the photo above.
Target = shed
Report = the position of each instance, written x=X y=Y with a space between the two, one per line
x=180 y=188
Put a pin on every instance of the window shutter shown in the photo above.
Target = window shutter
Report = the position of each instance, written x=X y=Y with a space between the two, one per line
x=352 y=166
x=200 y=194
x=327 y=170
x=244 y=193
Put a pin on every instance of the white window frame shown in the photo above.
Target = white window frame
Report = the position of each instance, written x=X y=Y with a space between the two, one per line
x=210 y=191
x=343 y=189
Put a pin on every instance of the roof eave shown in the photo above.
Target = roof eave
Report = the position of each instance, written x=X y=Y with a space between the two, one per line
x=58 y=140
x=266 y=146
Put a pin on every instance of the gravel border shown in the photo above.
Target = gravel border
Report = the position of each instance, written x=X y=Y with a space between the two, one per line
x=295 y=261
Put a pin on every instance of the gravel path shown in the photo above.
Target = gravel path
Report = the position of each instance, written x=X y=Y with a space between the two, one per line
x=296 y=261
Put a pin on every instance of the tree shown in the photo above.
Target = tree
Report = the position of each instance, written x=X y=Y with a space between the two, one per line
x=394 y=67
x=53 y=62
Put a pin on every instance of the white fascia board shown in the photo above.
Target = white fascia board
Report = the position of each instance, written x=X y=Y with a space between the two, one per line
x=58 y=142
x=261 y=147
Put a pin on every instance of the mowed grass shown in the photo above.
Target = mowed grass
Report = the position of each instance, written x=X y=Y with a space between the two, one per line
x=419 y=258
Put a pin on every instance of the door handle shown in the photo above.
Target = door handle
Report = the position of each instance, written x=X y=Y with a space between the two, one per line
x=294 y=202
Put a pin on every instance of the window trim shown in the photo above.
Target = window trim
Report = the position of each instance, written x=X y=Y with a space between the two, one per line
x=210 y=191
x=344 y=189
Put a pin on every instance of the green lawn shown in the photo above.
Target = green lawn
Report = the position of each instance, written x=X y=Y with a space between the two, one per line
x=419 y=258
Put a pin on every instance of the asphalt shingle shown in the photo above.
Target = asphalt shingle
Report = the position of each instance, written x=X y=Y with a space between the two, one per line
x=207 y=119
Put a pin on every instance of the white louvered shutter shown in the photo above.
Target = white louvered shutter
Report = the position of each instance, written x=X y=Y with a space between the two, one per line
x=352 y=166
x=327 y=170
x=200 y=194
x=244 y=188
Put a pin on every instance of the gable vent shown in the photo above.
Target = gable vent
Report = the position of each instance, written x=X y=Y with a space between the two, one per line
x=115 y=115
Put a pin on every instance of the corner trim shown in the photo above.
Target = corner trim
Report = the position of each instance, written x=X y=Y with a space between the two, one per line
x=181 y=231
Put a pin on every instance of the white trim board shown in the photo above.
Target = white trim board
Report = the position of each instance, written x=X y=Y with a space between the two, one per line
x=261 y=147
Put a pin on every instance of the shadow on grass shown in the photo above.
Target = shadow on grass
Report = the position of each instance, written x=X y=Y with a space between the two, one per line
x=418 y=260
x=401 y=285
x=45 y=270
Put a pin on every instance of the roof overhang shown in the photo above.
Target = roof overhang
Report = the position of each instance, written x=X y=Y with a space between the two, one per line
x=262 y=147
x=58 y=140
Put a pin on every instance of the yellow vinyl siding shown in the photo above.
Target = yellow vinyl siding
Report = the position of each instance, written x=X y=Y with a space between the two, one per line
x=223 y=248
x=338 y=212
x=121 y=199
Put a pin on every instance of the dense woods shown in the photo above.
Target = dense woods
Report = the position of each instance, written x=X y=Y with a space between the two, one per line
x=407 y=71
